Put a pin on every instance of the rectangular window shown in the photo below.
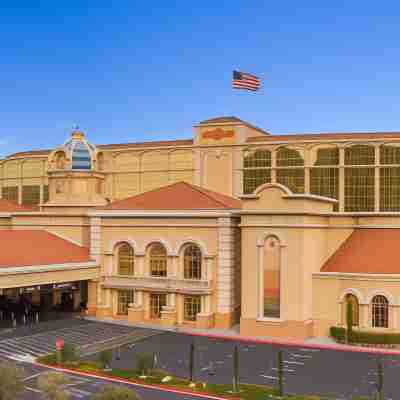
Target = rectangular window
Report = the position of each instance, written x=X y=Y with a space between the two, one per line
x=157 y=302
x=325 y=182
x=192 y=307
x=10 y=193
x=272 y=278
x=292 y=178
x=125 y=297
x=390 y=189
x=253 y=178
x=31 y=195
x=45 y=193
x=359 y=189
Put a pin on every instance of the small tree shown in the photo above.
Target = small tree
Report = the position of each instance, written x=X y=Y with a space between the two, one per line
x=236 y=370
x=69 y=353
x=379 y=383
x=349 y=320
x=144 y=363
x=52 y=386
x=11 y=381
x=105 y=358
x=191 y=362
x=111 y=392
x=280 y=374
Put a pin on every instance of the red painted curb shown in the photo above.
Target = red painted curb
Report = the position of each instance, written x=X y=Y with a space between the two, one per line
x=134 y=383
x=289 y=343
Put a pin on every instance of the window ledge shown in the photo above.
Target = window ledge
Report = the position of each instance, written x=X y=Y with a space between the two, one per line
x=265 y=319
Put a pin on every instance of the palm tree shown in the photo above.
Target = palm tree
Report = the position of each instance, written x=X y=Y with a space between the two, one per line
x=112 y=392
x=11 y=381
x=52 y=386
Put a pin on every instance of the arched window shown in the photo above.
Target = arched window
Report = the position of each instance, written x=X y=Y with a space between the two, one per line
x=60 y=160
x=126 y=260
x=380 y=312
x=271 y=283
x=158 y=260
x=100 y=161
x=290 y=169
x=350 y=298
x=192 y=262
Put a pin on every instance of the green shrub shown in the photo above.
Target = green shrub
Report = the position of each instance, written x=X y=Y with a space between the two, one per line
x=356 y=336
x=338 y=334
x=69 y=353
x=105 y=358
x=144 y=364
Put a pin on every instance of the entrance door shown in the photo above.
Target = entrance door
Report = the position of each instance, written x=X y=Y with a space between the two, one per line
x=157 y=302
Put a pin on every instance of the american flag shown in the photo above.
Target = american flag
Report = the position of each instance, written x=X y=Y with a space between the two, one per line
x=243 y=80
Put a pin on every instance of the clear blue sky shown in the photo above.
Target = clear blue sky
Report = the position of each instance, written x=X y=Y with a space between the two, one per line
x=146 y=70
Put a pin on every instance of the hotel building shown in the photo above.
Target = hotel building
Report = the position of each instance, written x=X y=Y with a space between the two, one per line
x=275 y=232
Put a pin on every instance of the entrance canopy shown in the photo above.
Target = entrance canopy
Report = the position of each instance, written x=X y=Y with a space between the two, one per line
x=37 y=257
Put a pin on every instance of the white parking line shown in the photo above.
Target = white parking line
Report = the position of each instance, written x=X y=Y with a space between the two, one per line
x=310 y=350
x=284 y=369
x=294 y=362
x=300 y=355
x=28 y=378
x=269 y=377
x=32 y=389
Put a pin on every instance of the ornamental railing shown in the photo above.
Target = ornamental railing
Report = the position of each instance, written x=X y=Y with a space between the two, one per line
x=156 y=283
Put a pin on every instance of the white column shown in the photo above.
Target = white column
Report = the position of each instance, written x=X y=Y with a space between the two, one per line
x=139 y=297
x=95 y=238
x=139 y=266
x=341 y=179
x=171 y=300
x=273 y=166
x=207 y=265
x=175 y=272
x=365 y=322
x=227 y=266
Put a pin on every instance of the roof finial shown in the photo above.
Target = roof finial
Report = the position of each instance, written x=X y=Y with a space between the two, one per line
x=77 y=133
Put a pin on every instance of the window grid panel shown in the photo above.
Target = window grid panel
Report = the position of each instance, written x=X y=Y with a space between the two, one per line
x=258 y=159
x=10 y=193
x=389 y=154
x=327 y=157
x=126 y=260
x=192 y=262
x=157 y=302
x=390 y=189
x=31 y=195
x=45 y=193
x=158 y=260
x=253 y=178
x=380 y=312
x=292 y=178
x=192 y=307
x=359 y=189
x=125 y=297
x=288 y=157
x=359 y=155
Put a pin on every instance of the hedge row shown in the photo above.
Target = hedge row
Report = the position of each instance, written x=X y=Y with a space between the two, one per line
x=364 y=337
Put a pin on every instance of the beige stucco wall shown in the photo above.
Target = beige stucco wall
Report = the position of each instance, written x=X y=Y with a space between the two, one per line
x=329 y=310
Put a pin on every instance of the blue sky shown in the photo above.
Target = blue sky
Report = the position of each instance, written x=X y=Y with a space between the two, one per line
x=134 y=70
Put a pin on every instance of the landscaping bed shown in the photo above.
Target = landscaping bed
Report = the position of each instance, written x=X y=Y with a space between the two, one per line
x=158 y=379
x=369 y=339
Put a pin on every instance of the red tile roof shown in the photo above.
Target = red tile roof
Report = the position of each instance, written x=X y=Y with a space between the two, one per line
x=10 y=206
x=178 y=196
x=21 y=248
x=324 y=136
x=368 y=251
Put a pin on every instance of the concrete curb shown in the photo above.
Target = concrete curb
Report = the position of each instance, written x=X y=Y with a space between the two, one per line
x=133 y=383
x=289 y=343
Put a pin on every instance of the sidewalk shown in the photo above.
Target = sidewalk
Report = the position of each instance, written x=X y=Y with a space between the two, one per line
x=322 y=343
